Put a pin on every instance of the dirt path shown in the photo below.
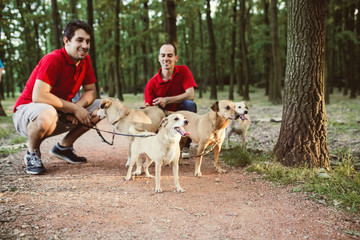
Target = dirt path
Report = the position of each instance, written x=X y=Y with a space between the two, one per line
x=92 y=201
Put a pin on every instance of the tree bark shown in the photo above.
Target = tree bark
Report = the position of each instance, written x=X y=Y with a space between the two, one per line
x=350 y=58
x=117 y=51
x=275 y=84
x=144 y=43
x=73 y=9
x=57 y=26
x=303 y=133
x=212 y=52
x=268 y=65
x=232 y=52
x=201 y=78
x=90 y=13
x=170 y=18
x=244 y=54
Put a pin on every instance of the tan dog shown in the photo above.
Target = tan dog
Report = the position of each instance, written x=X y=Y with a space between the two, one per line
x=163 y=148
x=239 y=126
x=209 y=129
x=130 y=121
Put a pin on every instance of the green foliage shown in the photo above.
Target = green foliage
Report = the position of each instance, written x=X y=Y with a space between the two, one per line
x=241 y=157
x=339 y=187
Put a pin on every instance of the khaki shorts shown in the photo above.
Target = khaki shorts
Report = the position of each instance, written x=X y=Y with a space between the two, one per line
x=27 y=113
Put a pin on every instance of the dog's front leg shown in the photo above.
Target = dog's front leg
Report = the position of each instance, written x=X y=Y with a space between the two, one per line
x=175 y=167
x=158 y=176
x=132 y=162
x=146 y=167
x=216 y=156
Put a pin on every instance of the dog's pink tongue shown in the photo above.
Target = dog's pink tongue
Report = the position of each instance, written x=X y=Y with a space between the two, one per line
x=182 y=131
x=242 y=116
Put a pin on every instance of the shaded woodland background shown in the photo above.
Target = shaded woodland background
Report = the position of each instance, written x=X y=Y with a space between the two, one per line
x=226 y=42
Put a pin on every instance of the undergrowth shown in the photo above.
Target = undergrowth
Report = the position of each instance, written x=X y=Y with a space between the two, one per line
x=339 y=186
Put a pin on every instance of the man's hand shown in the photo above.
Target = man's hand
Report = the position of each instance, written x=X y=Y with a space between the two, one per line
x=160 y=101
x=81 y=115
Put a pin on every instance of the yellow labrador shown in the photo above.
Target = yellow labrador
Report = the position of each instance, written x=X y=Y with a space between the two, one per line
x=130 y=121
x=163 y=148
x=209 y=129
x=239 y=126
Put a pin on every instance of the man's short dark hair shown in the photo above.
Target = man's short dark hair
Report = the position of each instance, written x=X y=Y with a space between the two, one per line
x=169 y=43
x=74 y=25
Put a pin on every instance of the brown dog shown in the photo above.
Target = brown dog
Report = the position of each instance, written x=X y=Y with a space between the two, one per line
x=130 y=121
x=209 y=129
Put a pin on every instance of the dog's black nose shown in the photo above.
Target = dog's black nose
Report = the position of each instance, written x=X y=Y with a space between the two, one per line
x=245 y=112
x=186 y=122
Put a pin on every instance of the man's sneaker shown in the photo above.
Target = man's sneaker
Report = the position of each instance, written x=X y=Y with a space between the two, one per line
x=33 y=163
x=185 y=153
x=66 y=153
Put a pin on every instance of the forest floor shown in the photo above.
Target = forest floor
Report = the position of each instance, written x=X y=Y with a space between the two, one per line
x=93 y=201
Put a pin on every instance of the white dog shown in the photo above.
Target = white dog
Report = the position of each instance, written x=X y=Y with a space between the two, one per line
x=239 y=126
x=163 y=149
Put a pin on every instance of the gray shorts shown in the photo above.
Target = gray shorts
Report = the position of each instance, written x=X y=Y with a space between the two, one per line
x=27 y=113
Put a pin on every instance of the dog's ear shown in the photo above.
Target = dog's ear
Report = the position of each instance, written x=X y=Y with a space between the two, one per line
x=105 y=103
x=246 y=106
x=164 y=122
x=215 y=106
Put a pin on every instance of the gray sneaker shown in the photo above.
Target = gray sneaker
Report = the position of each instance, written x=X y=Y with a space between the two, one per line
x=66 y=153
x=33 y=163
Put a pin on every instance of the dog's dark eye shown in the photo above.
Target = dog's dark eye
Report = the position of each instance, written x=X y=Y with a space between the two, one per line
x=227 y=108
x=176 y=119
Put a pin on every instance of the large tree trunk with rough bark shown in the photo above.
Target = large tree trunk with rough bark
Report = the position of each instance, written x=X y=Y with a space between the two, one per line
x=303 y=133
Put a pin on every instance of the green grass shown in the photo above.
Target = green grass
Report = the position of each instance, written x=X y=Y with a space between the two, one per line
x=339 y=187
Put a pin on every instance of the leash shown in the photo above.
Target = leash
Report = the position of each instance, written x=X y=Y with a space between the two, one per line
x=206 y=152
x=62 y=116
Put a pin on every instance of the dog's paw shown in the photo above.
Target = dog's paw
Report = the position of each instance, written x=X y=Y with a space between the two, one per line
x=180 y=189
x=149 y=176
x=136 y=173
x=158 y=190
x=128 y=178
x=220 y=170
x=198 y=174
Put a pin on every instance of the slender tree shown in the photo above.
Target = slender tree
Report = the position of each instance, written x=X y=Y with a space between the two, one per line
x=212 y=52
x=244 y=52
x=117 y=51
x=275 y=84
x=170 y=19
x=302 y=139
x=232 y=53
x=56 y=24
x=201 y=79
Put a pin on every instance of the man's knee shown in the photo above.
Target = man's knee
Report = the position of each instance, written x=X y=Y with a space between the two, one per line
x=46 y=119
x=189 y=105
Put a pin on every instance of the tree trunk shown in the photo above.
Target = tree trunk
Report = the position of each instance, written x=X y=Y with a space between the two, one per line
x=232 y=53
x=144 y=43
x=201 y=79
x=90 y=13
x=212 y=52
x=350 y=58
x=244 y=54
x=303 y=133
x=171 y=21
x=275 y=85
x=57 y=26
x=73 y=9
x=267 y=48
x=117 y=51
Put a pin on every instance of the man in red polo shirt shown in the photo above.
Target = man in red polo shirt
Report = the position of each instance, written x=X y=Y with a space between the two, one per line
x=172 y=88
x=48 y=95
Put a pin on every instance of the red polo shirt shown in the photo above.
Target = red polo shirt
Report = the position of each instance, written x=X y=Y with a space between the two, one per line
x=60 y=72
x=181 y=80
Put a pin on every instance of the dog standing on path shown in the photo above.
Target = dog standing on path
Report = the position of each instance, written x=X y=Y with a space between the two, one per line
x=209 y=129
x=162 y=149
x=239 y=126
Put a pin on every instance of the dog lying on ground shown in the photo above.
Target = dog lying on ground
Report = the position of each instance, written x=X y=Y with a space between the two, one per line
x=239 y=126
x=144 y=121
x=163 y=148
x=209 y=129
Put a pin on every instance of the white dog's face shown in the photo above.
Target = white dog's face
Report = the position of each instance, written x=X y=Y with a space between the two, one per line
x=176 y=123
x=242 y=109
x=101 y=113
